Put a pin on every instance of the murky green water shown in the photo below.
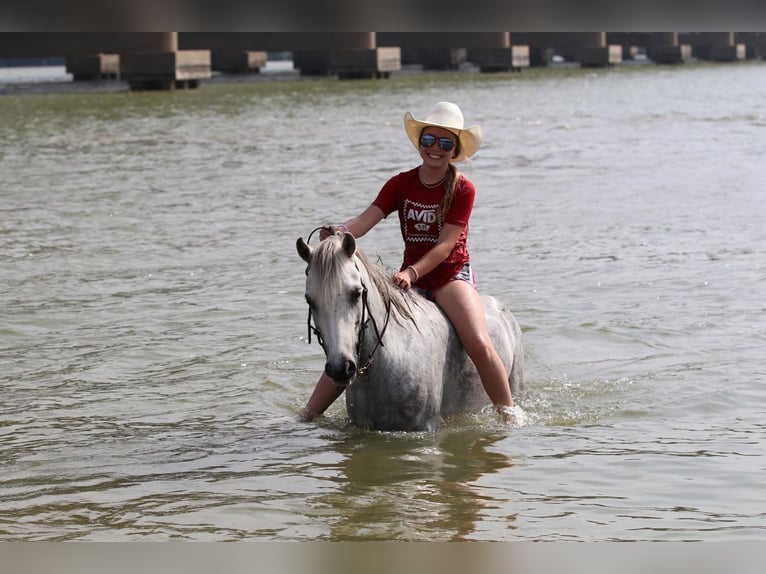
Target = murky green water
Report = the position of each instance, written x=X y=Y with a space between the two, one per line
x=153 y=330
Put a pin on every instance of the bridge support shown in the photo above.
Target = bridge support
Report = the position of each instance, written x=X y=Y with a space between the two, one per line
x=755 y=43
x=348 y=56
x=664 y=48
x=437 y=58
x=660 y=47
x=430 y=50
x=506 y=59
x=592 y=50
x=245 y=62
x=715 y=46
x=490 y=51
x=493 y=52
x=89 y=67
x=165 y=70
x=589 y=49
x=160 y=65
x=349 y=64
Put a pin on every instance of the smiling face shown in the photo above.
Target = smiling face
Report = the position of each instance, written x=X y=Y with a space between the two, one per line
x=434 y=157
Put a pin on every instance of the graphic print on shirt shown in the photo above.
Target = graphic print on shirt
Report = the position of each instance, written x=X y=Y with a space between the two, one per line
x=422 y=222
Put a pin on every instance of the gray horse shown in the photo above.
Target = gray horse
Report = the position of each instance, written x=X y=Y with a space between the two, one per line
x=395 y=351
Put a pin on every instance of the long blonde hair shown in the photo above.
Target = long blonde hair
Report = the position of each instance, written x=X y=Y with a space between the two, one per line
x=453 y=176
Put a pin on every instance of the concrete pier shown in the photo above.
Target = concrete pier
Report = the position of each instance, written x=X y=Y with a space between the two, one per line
x=493 y=52
x=349 y=64
x=714 y=46
x=341 y=54
x=490 y=51
x=664 y=48
x=165 y=70
x=169 y=60
x=347 y=55
x=755 y=43
x=507 y=59
x=89 y=67
x=147 y=60
x=589 y=49
x=659 y=47
x=430 y=50
x=241 y=62
x=159 y=65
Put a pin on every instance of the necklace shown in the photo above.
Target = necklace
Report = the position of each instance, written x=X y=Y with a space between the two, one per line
x=429 y=185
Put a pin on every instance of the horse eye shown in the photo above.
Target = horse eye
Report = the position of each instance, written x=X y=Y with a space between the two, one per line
x=354 y=295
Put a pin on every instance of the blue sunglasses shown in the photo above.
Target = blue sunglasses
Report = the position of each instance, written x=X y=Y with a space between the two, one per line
x=445 y=144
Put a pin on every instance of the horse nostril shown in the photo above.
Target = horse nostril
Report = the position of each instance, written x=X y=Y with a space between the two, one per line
x=341 y=372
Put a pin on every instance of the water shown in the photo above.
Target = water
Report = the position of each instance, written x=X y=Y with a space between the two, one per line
x=153 y=347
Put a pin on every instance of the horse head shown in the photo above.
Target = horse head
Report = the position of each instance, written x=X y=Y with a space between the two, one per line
x=335 y=294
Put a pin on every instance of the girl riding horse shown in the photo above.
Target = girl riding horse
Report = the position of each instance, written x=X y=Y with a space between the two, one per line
x=434 y=202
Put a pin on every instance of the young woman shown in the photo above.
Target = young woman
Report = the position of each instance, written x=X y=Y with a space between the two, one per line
x=434 y=202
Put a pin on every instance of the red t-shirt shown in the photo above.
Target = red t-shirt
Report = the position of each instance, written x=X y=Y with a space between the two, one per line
x=421 y=222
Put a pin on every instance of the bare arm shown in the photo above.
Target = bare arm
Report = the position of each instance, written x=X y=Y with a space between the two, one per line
x=359 y=225
x=438 y=253
x=325 y=393
x=447 y=239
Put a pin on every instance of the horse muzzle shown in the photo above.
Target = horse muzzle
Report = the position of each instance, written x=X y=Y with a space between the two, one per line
x=341 y=372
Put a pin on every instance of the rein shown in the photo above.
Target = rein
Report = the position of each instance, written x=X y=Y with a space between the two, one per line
x=362 y=371
x=364 y=324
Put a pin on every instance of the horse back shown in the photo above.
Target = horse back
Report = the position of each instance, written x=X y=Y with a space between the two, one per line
x=423 y=374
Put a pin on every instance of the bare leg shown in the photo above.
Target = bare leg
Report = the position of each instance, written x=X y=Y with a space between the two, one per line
x=461 y=303
x=325 y=393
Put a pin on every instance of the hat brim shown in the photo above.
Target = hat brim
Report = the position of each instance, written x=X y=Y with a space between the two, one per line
x=470 y=137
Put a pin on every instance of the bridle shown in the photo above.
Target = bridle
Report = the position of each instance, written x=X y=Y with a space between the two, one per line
x=367 y=318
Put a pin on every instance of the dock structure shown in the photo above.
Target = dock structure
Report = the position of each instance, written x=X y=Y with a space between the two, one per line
x=165 y=70
x=588 y=49
x=350 y=55
x=658 y=47
x=239 y=62
x=171 y=60
x=95 y=66
x=714 y=46
x=755 y=44
x=665 y=48
x=345 y=55
x=145 y=60
x=489 y=51
x=429 y=50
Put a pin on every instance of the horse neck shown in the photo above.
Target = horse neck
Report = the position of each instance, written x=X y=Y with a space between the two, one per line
x=376 y=305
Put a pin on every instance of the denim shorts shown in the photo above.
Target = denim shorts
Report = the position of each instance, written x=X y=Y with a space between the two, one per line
x=465 y=274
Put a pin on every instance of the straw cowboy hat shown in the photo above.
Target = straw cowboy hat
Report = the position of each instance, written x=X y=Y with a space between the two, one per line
x=448 y=116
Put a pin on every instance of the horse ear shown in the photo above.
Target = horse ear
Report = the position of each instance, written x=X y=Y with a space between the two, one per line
x=304 y=250
x=349 y=244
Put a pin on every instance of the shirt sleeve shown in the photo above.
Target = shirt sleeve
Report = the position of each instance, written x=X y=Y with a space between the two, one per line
x=462 y=203
x=388 y=197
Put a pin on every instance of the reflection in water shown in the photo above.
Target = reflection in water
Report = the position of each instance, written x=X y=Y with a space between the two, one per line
x=422 y=487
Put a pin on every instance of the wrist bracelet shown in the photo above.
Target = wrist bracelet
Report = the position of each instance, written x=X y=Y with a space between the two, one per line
x=414 y=272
